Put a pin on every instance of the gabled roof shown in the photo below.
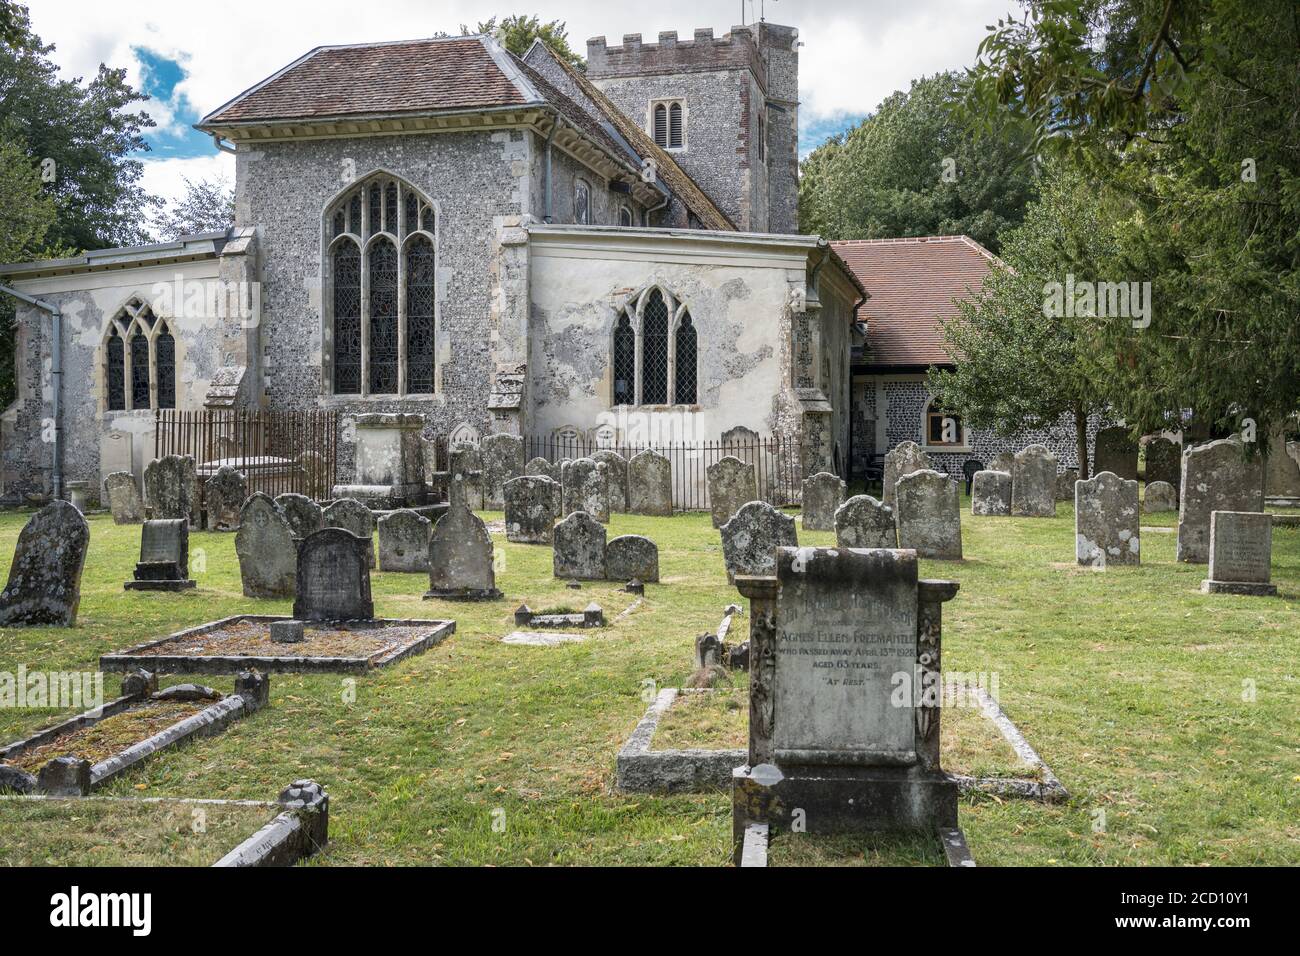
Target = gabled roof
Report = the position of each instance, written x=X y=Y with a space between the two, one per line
x=913 y=285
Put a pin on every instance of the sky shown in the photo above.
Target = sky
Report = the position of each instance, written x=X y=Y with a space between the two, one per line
x=192 y=57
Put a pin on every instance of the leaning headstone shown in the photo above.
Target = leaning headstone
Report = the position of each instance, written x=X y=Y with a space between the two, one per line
x=616 y=470
x=541 y=468
x=1160 y=496
x=1065 y=484
x=164 y=563
x=751 y=537
x=467 y=465
x=268 y=555
x=1282 y=471
x=902 y=459
x=1241 y=554
x=171 y=488
x=503 y=459
x=1114 y=450
x=650 y=485
x=304 y=515
x=823 y=493
x=404 y=542
x=631 y=556
x=530 y=509
x=580 y=548
x=1164 y=461
x=334 y=578
x=864 y=522
x=462 y=565
x=586 y=488
x=929 y=514
x=351 y=515
x=1033 y=483
x=223 y=497
x=124 y=498
x=990 y=494
x=45 y=575
x=1106 y=521
x=731 y=484
x=1217 y=476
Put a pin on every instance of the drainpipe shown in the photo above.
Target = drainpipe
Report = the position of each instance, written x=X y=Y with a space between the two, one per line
x=56 y=373
x=550 y=138
x=224 y=147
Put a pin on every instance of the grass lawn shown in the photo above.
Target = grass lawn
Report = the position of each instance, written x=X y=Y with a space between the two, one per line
x=1130 y=683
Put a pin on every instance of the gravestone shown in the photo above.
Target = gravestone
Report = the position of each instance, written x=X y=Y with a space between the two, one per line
x=171 y=488
x=823 y=493
x=1216 y=477
x=404 y=542
x=586 y=488
x=351 y=515
x=751 y=537
x=268 y=554
x=223 y=497
x=902 y=459
x=1160 y=496
x=929 y=514
x=503 y=459
x=462 y=565
x=124 y=498
x=334 y=577
x=990 y=494
x=579 y=548
x=1241 y=554
x=45 y=575
x=530 y=509
x=1164 y=462
x=1003 y=461
x=1282 y=470
x=317 y=479
x=845 y=673
x=742 y=443
x=389 y=461
x=650 y=484
x=541 y=468
x=1114 y=450
x=304 y=515
x=616 y=472
x=864 y=522
x=164 y=563
x=1033 y=483
x=1065 y=484
x=467 y=465
x=1106 y=521
x=631 y=556
x=731 y=484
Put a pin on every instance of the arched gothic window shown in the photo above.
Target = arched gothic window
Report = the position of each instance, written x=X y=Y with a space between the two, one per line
x=384 y=336
x=165 y=366
x=624 y=362
x=655 y=351
x=115 y=371
x=684 y=364
x=139 y=360
x=581 y=202
x=139 y=368
x=625 y=216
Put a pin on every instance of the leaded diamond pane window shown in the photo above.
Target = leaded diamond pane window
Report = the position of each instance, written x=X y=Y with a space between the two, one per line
x=116 y=367
x=624 y=363
x=684 y=362
x=420 y=273
x=412 y=214
x=382 y=258
x=654 y=351
x=139 y=370
x=347 y=319
x=165 y=366
x=354 y=215
x=340 y=224
x=426 y=219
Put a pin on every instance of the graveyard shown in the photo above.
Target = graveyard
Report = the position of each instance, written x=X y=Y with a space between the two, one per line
x=1167 y=712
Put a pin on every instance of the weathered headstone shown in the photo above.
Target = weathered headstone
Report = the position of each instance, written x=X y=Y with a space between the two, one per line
x=903 y=459
x=467 y=465
x=462 y=565
x=650 y=485
x=530 y=509
x=503 y=459
x=1241 y=554
x=1033 y=483
x=586 y=488
x=45 y=575
x=632 y=556
x=268 y=555
x=990 y=494
x=1282 y=470
x=223 y=497
x=389 y=461
x=541 y=468
x=404 y=542
x=579 y=548
x=823 y=493
x=1115 y=451
x=1065 y=484
x=171 y=488
x=1217 y=476
x=929 y=514
x=351 y=515
x=751 y=537
x=334 y=577
x=616 y=473
x=1003 y=461
x=1164 y=461
x=304 y=515
x=731 y=484
x=164 y=563
x=864 y=522
x=1159 y=496
x=124 y=498
x=1106 y=521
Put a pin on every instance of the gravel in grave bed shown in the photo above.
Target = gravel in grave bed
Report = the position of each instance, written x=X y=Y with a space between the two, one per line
x=860 y=849
x=362 y=639
x=106 y=738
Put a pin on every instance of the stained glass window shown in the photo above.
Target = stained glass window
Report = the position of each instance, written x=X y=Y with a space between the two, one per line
x=116 y=372
x=412 y=214
x=374 y=222
x=139 y=370
x=426 y=219
x=624 y=362
x=165 y=365
x=684 y=365
x=654 y=351
x=382 y=268
x=340 y=225
x=420 y=273
x=390 y=208
x=347 y=319
x=354 y=214
x=581 y=203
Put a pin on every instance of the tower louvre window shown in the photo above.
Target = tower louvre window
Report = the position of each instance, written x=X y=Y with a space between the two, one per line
x=668 y=124
x=661 y=125
x=675 y=137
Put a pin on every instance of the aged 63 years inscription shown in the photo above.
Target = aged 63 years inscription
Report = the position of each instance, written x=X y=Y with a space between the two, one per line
x=846 y=630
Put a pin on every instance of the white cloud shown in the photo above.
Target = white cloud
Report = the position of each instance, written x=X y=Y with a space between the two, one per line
x=166 y=177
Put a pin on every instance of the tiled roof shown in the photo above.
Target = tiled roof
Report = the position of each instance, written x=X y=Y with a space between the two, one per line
x=913 y=284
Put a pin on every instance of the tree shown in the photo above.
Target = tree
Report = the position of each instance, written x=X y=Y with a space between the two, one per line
x=207 y=206
x=11 y=31
x=1019 y=362
x=518 y=32
x=917 y=166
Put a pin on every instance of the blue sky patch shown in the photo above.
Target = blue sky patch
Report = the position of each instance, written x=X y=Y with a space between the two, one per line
x=813 y=134
x=160 y=75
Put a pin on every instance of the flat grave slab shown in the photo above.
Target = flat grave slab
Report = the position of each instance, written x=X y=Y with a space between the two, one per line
x=244 y=641
x=541 y=638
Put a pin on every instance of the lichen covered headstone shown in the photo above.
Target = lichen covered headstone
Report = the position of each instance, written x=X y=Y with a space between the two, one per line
x=530 y=509
x=929 y=514
x=268 y=555
x=823 y=493
x=650 y=484
x=466 y=464
x=541 y=468
x=171 y=488
x=632 y=556
x=503 y=459
x=990 y=494
x=404 y=542
x=1220 y=475
x=124 y=498
x=45 y=576
x=865 y=522
x=461 y=560
x=351 y=515
x=334 y=578
x=304 y=515
x=731 y=483
x=903 y=459
x=1065 y=484
x=1159 y=496
x=1033 y=483
x=223 y=497
x=751 y=537
x=1106 y=521
x=586 y=488
x=616 y=473
x=579 y=548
